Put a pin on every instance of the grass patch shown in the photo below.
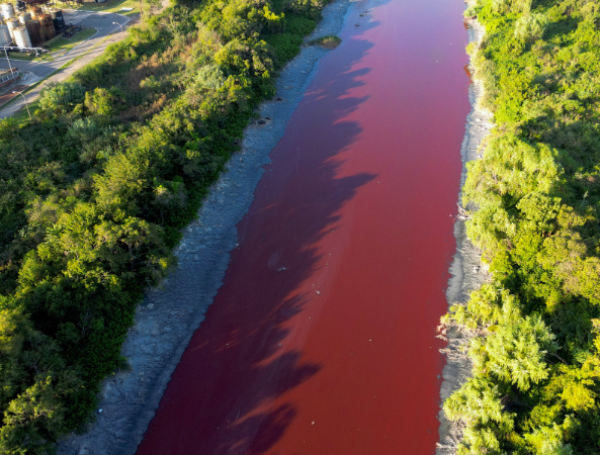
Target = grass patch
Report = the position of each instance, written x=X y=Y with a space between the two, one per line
x=111 y=6
x=70 y=62
x=327 y=42
x=60 y=43
x=21 y=116
x=21 y=57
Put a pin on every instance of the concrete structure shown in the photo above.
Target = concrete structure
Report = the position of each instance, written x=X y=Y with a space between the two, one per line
x=33 y=28
x=7 y=77
x=11 y=24
x=7 y=10
x=24 y=18
x=5 y=38
x=46 y=26
x=22 y=38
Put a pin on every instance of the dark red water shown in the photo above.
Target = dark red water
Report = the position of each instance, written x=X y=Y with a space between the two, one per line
x=337 y=354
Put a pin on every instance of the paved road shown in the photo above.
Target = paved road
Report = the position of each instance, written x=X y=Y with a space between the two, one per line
x=87 y=51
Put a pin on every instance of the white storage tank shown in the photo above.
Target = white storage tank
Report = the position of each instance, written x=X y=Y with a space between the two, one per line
x=22 y=37
x=5 y=38
x=12 y=24
x=24 y=18
x=7 y=10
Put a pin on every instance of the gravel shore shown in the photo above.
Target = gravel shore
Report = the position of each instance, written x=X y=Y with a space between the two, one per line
x=468 y=272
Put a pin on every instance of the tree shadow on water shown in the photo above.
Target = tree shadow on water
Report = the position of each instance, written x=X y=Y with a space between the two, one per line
x=228 y=394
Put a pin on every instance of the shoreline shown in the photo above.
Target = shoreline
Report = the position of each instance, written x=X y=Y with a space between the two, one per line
x=168 y=316
x=467 y=271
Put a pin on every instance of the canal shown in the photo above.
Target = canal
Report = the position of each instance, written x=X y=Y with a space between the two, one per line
x=321 y=340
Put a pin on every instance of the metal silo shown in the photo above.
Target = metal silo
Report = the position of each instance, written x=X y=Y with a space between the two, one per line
x=33 y=28
x=24 y=18
x=5 y=38
x=22 y=37
x=7 y=10
x=12 y=23
x=47 y=26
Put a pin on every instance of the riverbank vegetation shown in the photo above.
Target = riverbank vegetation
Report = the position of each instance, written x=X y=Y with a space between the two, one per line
x=95 y=189
x=535 y=213
x=328 y=42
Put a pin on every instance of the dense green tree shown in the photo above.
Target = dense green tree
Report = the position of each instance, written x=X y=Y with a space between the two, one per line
x=95 y=189
x=536 y=206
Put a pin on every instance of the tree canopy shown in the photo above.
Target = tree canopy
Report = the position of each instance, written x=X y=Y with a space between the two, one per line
x=535 y=203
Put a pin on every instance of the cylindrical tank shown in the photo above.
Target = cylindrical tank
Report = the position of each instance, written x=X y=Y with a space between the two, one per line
x=47 y=26
x=33 y=28
x=42 y=31
x=12 y=24
x=58 y=19
x=5 y=38
x=22 y=37
x=35 y=11
x=24 y=18
x=7 y=10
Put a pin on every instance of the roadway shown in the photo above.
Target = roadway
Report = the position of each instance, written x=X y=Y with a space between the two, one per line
x=107 y=33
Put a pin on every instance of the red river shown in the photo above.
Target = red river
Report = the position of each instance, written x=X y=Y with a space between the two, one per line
x=336 y=354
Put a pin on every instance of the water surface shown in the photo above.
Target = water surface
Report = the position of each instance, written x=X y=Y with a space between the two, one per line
x=322 y=339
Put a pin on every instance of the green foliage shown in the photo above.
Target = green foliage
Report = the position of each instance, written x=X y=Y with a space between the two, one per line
x=62 y=97
x=310 y=9
x=479 y=404
x=515 y=350
x=328 y=42
x=514 y=6
x=530 y=27
x=94 y=192
x=535 y=350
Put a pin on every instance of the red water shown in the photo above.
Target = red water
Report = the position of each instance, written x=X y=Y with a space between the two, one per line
x=336 y=354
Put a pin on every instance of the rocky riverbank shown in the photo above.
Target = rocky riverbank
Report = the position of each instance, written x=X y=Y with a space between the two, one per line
x=468 y=272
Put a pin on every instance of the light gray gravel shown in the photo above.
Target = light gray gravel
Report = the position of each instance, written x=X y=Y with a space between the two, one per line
x=168 y=316
x=468 y=272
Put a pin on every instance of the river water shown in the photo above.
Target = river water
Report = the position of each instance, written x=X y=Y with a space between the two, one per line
x=322 y=339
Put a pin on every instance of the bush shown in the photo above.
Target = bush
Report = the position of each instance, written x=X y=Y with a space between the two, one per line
x=328 y=42
x=530 y=27
x=61 y=98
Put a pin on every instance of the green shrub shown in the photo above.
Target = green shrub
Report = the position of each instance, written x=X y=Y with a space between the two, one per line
x=328 y=42
x=530 y=27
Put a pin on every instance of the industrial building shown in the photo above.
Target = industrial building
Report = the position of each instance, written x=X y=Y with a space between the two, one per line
x=28 y=26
